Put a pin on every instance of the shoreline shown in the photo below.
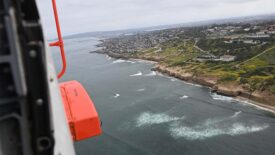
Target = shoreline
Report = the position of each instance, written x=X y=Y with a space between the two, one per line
x=234 y=91
x=241 y=95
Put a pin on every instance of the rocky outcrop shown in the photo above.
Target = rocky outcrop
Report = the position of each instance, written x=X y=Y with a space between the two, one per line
x=184 y=76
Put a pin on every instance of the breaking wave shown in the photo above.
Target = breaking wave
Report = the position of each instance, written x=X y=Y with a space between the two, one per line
x=201 y=133
x=173 y=79
x=216 y=96
x=123 y=61
x=236 y=114
x=137 y=74
x=153 y=73
x=140 y=90
x=184 y=97
x=108 y=57
x=148 y=118
x=192 y=84
x=116 y=95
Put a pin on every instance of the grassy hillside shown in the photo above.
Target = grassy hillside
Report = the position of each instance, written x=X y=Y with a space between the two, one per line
x=257 y=73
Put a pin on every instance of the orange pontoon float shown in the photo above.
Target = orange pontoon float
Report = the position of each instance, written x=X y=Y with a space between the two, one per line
x=82 y=116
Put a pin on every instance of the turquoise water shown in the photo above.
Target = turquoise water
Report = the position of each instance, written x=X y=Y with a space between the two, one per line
x=144 y=112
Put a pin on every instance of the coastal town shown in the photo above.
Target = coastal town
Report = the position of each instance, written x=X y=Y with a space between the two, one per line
x=235 y=35
x=235 y=59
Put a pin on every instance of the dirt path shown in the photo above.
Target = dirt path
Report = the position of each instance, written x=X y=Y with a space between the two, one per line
x=256 y=56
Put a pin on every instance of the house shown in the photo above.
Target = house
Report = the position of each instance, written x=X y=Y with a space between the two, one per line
x=251 y=42
x=228 y=42
x=226 y=58
x=258 y=36
x=271 y=28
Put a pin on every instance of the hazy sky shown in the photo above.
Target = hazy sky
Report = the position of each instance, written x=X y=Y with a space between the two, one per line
x=77 y=16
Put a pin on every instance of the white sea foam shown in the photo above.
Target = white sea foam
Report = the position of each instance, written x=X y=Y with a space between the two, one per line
x=236 y=114
x=153 y=73
x=108 y=57
x=173 y=79
x=214 y=121
x=192 y=84
x=118 y=61
x=214 y=127
x=137 y=74
x=140 y=90
x=247 y=103
x=184 y=97
x=122 y=61
x=216 y=96
x=116 y=95
x=202 y=132
x=148 y=119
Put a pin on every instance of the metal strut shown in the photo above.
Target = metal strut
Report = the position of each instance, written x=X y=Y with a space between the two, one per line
x=59 y=43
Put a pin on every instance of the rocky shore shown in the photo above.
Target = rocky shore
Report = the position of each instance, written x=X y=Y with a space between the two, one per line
x=265 y=100
x=262 y=99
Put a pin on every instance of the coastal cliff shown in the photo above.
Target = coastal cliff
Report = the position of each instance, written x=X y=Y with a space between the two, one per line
x=229 y=89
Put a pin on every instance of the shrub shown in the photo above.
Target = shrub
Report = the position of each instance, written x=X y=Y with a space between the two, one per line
x=272 y=88
x=243 y=80
x=228 y=77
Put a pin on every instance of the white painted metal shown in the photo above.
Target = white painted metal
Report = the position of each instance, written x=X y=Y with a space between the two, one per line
x=63 y=140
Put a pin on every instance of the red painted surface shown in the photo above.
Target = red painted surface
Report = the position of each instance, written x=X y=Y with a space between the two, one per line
x=60 y=41
x=81 y=113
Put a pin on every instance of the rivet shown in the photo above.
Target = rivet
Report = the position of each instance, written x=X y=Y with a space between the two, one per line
x=51 y=79
x=33 y=53
x=39 y=102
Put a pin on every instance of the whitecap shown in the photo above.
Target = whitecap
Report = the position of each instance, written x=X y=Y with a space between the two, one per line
x=236 y=114
x=184 y=97
x=116 y=95
x=201 y=133
x=148 y=119
x=137 y=74
x=153 y=73
x=140 y=90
